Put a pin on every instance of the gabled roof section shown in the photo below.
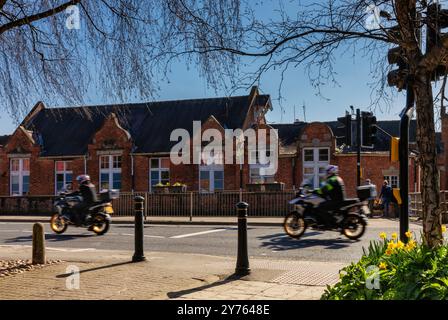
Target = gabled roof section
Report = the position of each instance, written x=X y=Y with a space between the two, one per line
x=68 y=131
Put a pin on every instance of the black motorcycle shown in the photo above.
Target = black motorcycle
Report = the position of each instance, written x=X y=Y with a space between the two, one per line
x=350 y=218
x=97 y=218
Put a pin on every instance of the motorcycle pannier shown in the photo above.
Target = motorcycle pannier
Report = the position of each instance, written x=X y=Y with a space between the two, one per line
x=366 y=192
x=109 y=195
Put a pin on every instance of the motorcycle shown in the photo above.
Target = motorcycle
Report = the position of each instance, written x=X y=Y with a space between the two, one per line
x=350 y=218
x=98 y=217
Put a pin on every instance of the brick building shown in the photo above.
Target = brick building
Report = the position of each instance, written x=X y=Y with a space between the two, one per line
x=127 y=147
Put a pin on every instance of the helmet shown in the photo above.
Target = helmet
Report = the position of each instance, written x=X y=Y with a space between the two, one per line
x=331 y=170
x=83 y=178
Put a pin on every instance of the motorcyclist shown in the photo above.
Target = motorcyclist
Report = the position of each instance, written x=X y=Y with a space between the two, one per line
x=87 y=191
x=333 y=191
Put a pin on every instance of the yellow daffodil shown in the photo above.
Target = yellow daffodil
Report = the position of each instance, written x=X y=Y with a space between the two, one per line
x=443 y=228
x=382 y=265
x=394 y=236
x=408 y=234
x=389 y=252
x=411 y=245
x=400 y=245
x=383 y=235
x=391 y=245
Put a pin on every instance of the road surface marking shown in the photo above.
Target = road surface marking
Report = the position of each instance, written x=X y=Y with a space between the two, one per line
x=71 y=250
x=9 y=230
x=197 y=233
x=147 y=236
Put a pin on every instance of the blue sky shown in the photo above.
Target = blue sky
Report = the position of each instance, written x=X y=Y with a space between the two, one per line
x=353 y=89
x=352 y=75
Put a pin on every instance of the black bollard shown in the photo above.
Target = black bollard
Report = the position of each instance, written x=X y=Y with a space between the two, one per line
x=242 y=262
x=138 y=254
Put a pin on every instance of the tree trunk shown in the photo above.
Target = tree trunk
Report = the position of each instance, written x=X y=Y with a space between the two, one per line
x=426 y=140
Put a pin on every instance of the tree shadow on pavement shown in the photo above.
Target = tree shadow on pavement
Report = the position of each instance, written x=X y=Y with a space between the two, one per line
x=50 y=237
x=179 y=294
x=68 y=274
x=282 y=242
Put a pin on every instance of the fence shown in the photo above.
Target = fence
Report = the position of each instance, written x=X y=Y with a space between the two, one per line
x=219 y=204
x=31 y=205
x=416 y=204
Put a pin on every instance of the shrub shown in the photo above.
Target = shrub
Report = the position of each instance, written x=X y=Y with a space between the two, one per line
x=406 y=272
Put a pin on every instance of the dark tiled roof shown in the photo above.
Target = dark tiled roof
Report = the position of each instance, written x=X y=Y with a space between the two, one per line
x=289 y=133
x=4 y=140
x=68 y=131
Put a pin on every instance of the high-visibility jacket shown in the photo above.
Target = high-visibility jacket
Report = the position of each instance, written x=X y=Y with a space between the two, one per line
x=333 y=189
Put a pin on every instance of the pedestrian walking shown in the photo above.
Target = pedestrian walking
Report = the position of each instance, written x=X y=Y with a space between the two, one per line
x=386 y=197
x=371 y=200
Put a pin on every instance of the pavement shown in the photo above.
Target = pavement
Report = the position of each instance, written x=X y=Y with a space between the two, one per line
x=176 y=268
x=111 y=275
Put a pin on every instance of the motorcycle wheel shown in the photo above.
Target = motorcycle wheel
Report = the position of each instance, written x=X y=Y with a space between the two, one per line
x=294 y=225
x=353 y=226
x=100 y=225
x=57 y=224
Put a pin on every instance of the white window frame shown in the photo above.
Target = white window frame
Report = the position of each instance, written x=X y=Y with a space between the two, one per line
x=111 y=170
x=253 y=152
x=388 y=178
x=159 y=169
x=315 y=165
x=20 y=174
x=64 y=172
x=211 y=169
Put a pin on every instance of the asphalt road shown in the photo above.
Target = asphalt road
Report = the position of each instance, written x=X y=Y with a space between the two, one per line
x=266 y=242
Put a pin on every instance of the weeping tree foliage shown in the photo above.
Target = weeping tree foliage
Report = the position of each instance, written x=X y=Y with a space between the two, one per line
x=127 y=47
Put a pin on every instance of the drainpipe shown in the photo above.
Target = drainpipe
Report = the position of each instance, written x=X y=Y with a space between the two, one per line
x=294 y=173
x=132 y=174
x=85 y=164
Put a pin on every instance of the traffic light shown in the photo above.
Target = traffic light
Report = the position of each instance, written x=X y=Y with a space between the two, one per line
x=369 y=129
x=394 y=143
x=397 y=77
x=347 y=126
x=437 y=19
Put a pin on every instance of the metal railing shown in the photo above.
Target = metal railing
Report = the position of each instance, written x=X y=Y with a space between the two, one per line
x=195 y=204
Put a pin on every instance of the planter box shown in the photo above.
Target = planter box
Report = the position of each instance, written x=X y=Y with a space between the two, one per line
x=170 y=189
x=255 y=187
x=177 y=189
x=274 y=186
x=158 y=189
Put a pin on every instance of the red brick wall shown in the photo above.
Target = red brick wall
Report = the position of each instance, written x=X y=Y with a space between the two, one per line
x=372 y=166
x=285 y=172
x=21 y=143
x=110 y=138
x=141 y=173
